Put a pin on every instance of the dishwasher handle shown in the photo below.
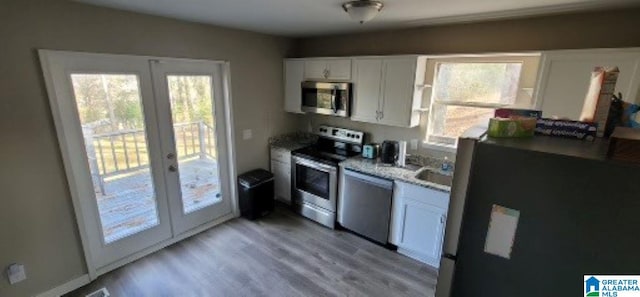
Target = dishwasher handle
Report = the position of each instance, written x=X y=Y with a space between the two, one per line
x=376 y=181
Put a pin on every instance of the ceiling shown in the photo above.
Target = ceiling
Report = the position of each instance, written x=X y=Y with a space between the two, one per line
x=296 y=18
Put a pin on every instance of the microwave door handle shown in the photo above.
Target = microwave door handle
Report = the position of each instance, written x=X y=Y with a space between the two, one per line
x=334 y=106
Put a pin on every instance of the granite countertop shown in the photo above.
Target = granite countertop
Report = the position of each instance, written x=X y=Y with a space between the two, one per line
x=293 y=141
x=404 y=174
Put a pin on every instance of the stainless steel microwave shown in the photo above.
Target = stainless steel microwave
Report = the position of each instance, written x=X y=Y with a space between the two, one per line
x=326 y=98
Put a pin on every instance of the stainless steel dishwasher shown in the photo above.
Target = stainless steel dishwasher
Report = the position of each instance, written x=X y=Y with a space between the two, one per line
x=364 y=206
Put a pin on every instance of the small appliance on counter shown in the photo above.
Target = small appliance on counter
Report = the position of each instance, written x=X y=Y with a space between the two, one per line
x=370 y=150
x=389 y=152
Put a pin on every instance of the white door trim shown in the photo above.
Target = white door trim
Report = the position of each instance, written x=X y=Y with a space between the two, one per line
x=53 y=94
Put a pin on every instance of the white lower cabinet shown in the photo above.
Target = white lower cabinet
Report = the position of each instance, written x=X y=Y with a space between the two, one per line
x=281 y=169
x=418 y=221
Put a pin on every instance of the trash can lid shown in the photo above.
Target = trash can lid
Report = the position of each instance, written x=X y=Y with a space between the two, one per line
x=254 y=177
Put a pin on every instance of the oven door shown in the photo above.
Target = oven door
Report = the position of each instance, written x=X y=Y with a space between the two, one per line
x=314 y=183
x=326 y=98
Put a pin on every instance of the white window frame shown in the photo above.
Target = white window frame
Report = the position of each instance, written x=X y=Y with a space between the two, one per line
x=524 y=86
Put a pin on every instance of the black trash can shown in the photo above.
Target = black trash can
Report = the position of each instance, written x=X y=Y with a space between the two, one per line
x=256 y=193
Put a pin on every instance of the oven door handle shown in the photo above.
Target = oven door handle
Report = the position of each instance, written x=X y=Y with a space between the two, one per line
x=314 y=165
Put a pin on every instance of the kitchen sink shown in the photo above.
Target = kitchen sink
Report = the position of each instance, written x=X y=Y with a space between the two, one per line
x=411 y=167
x=434 y=177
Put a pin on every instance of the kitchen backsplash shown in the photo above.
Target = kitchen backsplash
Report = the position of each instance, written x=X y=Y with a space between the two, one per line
x=426 y=161
x=377 y=133
x=295 y=138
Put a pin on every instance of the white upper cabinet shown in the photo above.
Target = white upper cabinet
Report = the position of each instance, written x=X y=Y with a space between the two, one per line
x=327 y=69
x=388 y=90
x=367 y=91
x=564 y=77
x=339 y=69
x=293 y=77
x=402 y=95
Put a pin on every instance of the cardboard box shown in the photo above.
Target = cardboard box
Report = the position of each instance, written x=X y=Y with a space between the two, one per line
x=567 y=129
x=511 y=128
x=515 y=112
x=598 y=99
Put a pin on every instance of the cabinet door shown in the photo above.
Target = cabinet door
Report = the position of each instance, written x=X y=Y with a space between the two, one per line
x=564 y=78
x=422 y=230
x=398 y=92
x=367 y=89
x=293 y=77
x=282 y=181
x=315 y=69
x=339 y=69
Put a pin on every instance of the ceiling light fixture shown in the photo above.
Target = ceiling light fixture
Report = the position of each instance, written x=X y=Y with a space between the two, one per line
x=362 y=10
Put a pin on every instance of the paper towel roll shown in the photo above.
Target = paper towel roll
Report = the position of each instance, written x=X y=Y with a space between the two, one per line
x=402 y=153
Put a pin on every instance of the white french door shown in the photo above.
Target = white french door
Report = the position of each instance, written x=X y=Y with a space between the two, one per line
x=189 y=102
x=145 y=144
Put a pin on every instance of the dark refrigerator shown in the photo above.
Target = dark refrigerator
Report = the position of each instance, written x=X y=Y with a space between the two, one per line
x=579 y=214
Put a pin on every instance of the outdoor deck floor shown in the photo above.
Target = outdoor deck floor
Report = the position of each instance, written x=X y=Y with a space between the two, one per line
x=129 y=203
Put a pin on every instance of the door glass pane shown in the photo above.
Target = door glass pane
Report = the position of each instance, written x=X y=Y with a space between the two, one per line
x=192 y=112
x=111 y=115
x=312 y=181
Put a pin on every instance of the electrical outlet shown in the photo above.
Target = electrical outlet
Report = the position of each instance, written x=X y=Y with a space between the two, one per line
x=16 y=273
x=414 y=144
x=247 y=134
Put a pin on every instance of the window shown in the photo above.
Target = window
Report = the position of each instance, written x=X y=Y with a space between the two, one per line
x=465 y=93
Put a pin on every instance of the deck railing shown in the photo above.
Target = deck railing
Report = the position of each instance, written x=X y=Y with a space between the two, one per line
x=111 y=154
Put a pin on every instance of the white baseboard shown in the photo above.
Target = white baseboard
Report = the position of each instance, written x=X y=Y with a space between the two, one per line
x=66 y=287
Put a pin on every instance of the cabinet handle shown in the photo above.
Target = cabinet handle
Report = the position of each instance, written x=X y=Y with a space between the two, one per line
x=382 y=115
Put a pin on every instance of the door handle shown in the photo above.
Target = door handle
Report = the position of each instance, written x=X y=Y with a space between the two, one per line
x=173 y=168
x=171 y=156
x=334 y=105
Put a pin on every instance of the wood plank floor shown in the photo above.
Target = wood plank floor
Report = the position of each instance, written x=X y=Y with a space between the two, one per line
x=279 y=255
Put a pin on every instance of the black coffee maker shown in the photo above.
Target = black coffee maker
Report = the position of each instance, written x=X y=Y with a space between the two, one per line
x=389 y=152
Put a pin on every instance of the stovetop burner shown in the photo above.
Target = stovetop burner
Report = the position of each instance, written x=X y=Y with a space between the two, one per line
x=331 y=157
x=334 y=145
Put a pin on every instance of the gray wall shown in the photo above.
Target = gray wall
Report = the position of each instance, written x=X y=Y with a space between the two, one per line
x=37 y=224
x=614 y=28
x=601 y=29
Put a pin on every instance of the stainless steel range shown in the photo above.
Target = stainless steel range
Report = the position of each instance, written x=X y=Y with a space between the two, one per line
x=315 y=172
